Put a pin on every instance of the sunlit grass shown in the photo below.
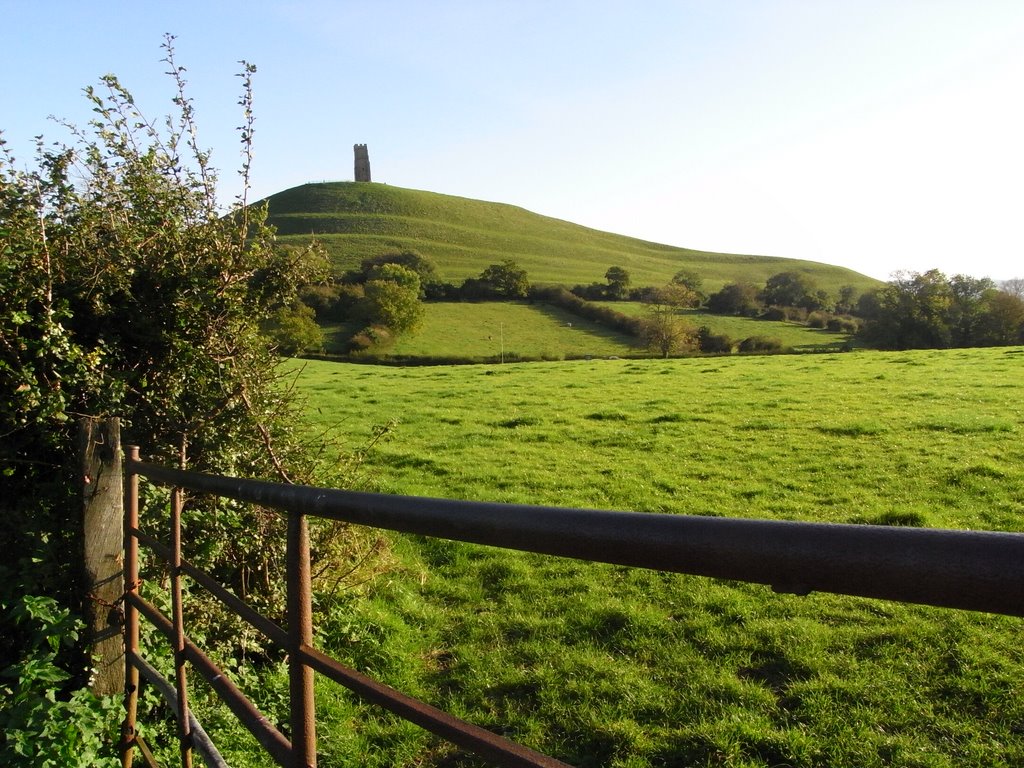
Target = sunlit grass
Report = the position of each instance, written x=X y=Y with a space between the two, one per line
x=467 y=332
x=609 y=666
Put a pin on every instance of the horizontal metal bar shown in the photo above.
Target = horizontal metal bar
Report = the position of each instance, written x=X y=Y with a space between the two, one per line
x=973 y=570
x=232 y=601
x=265 y=733
x=201 y=740
x=496 y=749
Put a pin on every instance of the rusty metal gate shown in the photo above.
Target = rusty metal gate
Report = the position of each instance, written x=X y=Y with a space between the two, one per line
x=955 y=569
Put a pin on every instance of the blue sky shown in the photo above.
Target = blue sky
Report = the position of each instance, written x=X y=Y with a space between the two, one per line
x=874 y=135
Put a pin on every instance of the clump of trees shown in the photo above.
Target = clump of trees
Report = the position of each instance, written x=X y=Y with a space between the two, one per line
x=504 y=281
x=929 y=310
x=385 y=296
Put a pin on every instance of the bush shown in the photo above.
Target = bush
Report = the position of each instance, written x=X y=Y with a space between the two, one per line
x=818 y=319
x=735 y=299
x=294 y=331
x=438 y=291
x=844 y=324
x=760 y=344
x=372 y=337
x=45 y=721
x=774 y=313
x=592 y=292
x=715 y=343
x=322 y=299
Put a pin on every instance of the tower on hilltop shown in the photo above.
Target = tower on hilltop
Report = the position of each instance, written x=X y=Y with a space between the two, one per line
x=362 y=162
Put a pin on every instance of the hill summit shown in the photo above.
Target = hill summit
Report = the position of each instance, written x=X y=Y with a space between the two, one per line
x=463 y=236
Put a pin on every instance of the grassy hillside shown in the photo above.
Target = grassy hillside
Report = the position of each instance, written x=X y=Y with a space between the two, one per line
x=606 y=666
x=357 y=220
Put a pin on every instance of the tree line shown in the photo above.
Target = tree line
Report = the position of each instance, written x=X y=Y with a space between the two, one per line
x=912 y=311
x=384 y=297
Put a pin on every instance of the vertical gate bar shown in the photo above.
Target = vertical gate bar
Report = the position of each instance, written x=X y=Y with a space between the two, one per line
x=131 y=615
x=300 y=633
x=184 y=726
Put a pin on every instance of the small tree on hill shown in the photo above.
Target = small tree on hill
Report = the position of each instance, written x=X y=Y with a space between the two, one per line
x=735 y=299
x=676 y=295
x=391 y=298
x=790 y=289
x=691 y=280
x=506 y=280
x=423 y=266
x=618 y=282
x=664 y=330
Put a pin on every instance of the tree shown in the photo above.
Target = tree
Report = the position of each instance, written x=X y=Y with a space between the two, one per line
x=709 y=341
x=294 y=330
x=391 y=299
x=423 y=266
x=846 y=302
x=790 y=289
x=1014 y=286
x=506 y=280
x=1004 y=323
x=618 y=282
x=735 y=299
x=970 y=301
x=664 y=330
x=690 y=279
x=676 y=295
x=910 y=312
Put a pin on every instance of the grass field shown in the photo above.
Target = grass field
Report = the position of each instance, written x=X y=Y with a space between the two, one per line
x=606 y=666
x=489 y=330
x=794 y=336
x=359 y=220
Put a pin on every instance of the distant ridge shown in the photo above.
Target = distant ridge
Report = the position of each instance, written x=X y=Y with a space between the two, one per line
x=463 y=236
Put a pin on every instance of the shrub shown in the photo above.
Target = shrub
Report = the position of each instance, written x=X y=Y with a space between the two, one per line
x=760 y=344
x=713 y=342
x=592 y=292
x=294 y=331
x=735 y=299
x=371 y=337
x=844 y=324
x=774 y=313
x=818 y=319
x=45 y=720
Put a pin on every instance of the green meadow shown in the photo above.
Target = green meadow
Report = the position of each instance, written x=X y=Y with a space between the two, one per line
x=609 y=666
x=468 y=331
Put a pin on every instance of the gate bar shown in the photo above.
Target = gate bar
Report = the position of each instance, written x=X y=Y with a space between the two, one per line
x=261 y=728
x=971 y=570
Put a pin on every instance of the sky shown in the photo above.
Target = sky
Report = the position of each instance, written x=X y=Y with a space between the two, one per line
x=876 y=135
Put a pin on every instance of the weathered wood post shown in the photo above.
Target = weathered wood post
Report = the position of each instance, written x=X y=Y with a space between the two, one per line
x=300 y=636
x=103 y=528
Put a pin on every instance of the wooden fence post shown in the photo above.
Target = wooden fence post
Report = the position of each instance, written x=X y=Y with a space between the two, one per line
x=103 y=528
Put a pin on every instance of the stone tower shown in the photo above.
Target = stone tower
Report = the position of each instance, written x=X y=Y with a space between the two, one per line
x=362 y=162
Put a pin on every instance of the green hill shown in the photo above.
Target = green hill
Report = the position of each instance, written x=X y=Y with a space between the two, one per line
x=463 y=236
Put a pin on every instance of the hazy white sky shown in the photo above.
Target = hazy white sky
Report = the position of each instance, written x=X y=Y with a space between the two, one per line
x=875 y=135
